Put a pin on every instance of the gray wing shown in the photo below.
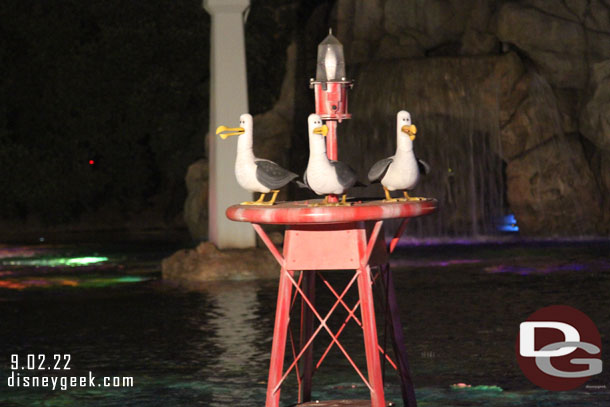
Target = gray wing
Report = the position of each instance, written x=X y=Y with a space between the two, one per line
x=272 y=175
x=378 y=170
x=424 y=167
x=345 y=175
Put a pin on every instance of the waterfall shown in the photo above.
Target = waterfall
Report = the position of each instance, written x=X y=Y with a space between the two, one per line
x=454 y=104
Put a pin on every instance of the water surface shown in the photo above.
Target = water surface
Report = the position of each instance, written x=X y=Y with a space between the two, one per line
x=461 y=305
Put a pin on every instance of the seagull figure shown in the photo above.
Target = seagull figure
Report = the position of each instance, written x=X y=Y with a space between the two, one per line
x=402 y=170
x=255 y=174
x=324 y=176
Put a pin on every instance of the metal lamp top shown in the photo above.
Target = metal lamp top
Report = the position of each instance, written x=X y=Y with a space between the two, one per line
x=331 y=62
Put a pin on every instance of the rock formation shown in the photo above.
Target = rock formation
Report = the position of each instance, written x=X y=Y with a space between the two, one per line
x=552 y=86
x=207 y=263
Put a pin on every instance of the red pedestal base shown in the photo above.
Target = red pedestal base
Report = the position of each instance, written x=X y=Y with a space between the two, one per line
x=311 y=247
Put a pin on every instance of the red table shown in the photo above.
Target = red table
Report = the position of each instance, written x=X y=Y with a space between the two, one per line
x=334 y=238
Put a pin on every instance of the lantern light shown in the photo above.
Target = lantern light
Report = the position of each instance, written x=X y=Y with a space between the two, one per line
x=331 y=63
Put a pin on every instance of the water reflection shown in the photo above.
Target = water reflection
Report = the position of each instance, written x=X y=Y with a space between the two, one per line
x=235 y=315
x=241 y=337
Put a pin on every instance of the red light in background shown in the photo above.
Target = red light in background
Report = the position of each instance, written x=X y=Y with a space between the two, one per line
x=91 y=162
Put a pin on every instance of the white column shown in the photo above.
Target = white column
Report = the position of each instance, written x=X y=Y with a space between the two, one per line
x=228 y=100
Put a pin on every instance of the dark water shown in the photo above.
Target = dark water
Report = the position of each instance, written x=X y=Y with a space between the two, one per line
x=461 y=306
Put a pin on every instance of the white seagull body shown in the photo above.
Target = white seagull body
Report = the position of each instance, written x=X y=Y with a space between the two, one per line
x=401 y=171
x=324 y=176
x=255 y=174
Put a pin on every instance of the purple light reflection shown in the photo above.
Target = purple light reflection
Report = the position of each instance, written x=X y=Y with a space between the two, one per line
x=547 y=269
x=25 y=252
x=5 y=273
x=512 y=269
x=432 y=263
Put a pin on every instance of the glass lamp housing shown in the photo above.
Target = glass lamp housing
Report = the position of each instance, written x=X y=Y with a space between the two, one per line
x=331 y=63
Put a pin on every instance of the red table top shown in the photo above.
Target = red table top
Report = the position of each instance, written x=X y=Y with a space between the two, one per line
x=299 y=212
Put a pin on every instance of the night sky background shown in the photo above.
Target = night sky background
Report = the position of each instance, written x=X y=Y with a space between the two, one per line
x=105 y=103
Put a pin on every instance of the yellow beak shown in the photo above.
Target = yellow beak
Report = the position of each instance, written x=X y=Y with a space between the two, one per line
x=410 y=130
x=321 y=130
x=236 y=131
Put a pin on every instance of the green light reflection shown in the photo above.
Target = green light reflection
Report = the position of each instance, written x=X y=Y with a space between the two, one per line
x=57 y=261
x=84 y=261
